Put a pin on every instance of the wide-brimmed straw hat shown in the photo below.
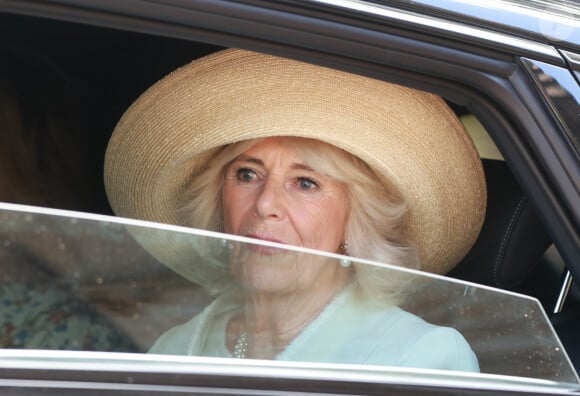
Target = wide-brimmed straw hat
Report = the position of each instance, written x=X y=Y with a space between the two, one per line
x=411 y=139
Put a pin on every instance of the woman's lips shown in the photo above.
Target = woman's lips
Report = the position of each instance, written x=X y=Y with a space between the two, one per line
x=261 y=249
x=265 y=238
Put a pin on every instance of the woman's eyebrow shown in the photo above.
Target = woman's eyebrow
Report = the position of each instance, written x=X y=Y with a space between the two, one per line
x=300 y=166
x=257 y=161
x=245 y=158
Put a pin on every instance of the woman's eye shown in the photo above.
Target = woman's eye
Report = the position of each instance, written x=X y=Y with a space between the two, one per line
x=246 y=175
x=307 y=184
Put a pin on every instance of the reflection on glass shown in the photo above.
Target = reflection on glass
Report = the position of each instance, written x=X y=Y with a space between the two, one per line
x=81 y=284
x=560 y=91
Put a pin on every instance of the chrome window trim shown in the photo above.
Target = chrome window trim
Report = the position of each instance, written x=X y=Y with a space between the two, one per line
x=63 y=367
x=543 y=20
x=470 y=33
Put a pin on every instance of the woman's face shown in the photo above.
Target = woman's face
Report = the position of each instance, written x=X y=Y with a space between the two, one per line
x=269 y=193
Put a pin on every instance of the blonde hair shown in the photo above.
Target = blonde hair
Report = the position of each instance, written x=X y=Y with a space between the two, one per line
x=374 y=229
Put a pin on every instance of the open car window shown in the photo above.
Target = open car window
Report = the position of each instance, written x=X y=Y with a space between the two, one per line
x=79 y=282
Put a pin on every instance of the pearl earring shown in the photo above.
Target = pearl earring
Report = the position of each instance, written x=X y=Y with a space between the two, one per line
x=345 y=263
x=224 y=243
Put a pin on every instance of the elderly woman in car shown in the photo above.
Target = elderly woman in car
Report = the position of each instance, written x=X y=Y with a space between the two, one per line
x=295 y=154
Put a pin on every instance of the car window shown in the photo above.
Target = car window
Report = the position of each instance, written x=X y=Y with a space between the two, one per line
x=93 y=283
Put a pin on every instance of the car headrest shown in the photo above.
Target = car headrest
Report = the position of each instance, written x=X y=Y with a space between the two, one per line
x=512 y=239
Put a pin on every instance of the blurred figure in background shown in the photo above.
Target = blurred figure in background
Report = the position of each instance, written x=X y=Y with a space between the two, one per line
x=45 y=160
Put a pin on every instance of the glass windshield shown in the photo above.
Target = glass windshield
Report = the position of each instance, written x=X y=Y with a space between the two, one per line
x=73 y=281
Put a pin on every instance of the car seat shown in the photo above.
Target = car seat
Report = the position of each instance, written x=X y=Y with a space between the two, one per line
x=512 y=240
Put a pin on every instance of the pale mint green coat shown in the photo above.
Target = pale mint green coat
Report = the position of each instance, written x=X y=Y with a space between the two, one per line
x=347 y=331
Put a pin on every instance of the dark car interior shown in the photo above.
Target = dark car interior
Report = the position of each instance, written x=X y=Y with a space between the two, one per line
x=72 y=83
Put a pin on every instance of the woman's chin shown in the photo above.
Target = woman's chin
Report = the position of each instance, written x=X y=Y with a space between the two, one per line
x=269 y=270
x=281 y=271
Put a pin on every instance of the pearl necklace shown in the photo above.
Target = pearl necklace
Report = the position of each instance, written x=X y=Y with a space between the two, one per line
x=241 y=346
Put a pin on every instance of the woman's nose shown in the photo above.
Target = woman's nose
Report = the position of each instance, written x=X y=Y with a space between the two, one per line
x=270 y=200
